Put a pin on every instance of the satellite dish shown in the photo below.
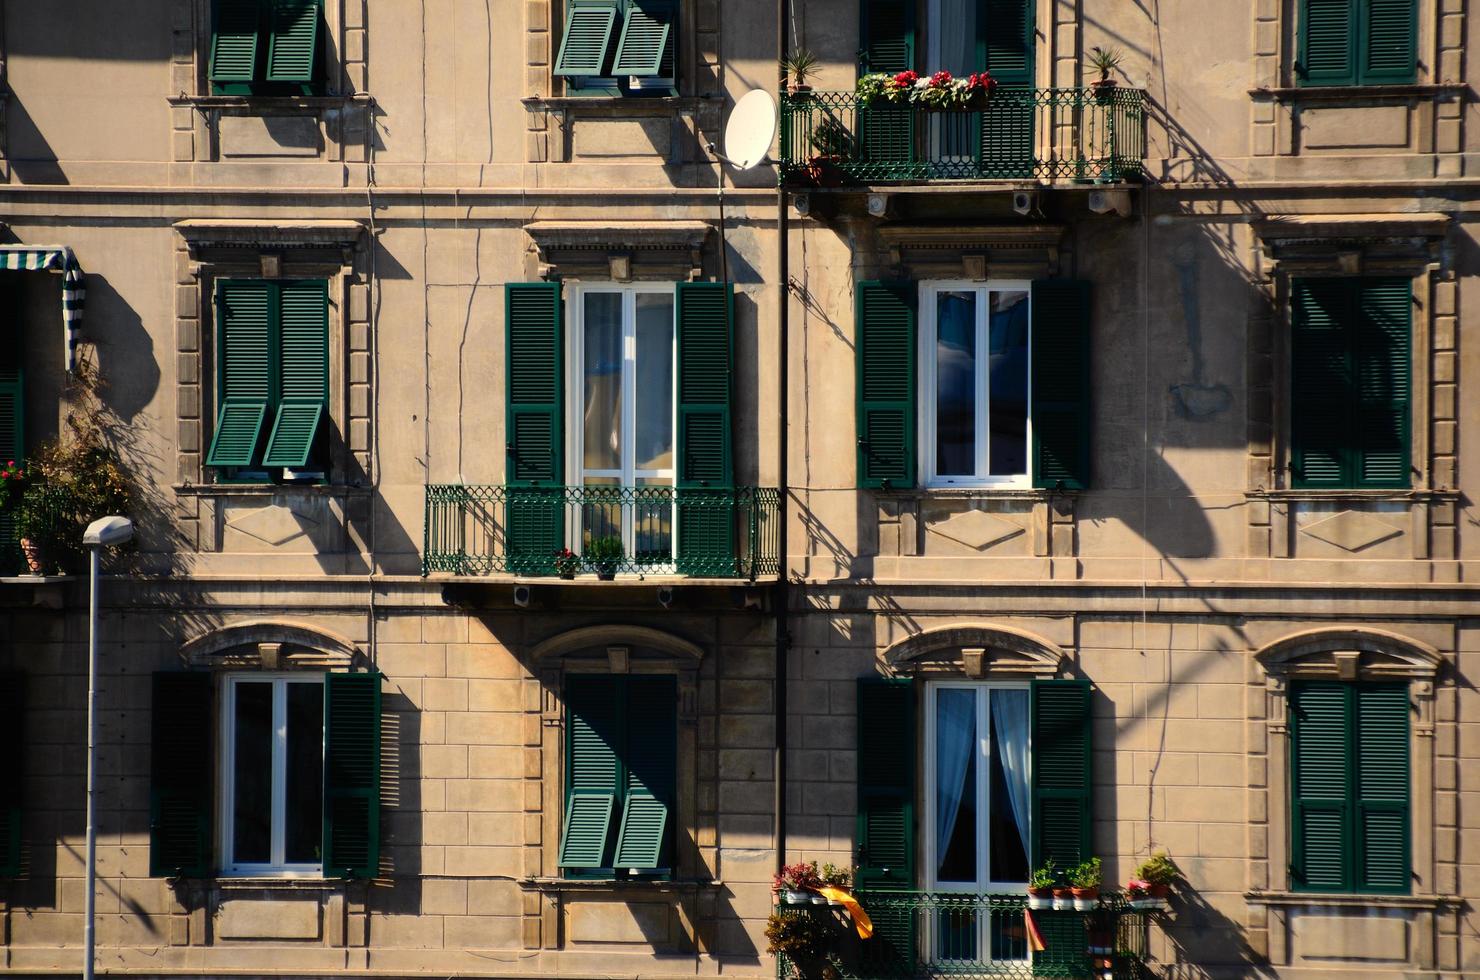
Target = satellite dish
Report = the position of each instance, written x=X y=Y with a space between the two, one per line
x=751 y=130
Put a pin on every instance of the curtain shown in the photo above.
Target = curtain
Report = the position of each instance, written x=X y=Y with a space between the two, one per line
x=957 y=27
x=955 y=740
x=1010 y=727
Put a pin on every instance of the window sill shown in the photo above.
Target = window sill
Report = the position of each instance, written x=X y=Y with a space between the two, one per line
x=1401 y=496
x=269 y=490
x=1358 y=93
x=1361 y=901
x=235 y=883
x=977 y=493
x=616 y=104
x=274 y=103
x=607 y=886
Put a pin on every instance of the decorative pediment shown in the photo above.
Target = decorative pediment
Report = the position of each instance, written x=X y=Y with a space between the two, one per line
x=262 y=644
x=1350 y=654
x=976 y=650
x=1352 y=244
x=616 y=641
x=620 y=250
x=978 y=252
x=206 y=234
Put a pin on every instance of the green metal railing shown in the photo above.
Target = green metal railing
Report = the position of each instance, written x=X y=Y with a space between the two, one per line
x=1013 y=134
x=966 y=935
x=488 y=529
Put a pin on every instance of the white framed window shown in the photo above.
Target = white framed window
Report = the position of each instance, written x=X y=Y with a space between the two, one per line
x=272 y=738
x=975 y=362
x=623 y=368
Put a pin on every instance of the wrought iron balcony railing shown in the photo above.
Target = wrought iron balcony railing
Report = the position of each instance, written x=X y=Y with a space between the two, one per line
x=646 y=530
x=965 y=936
x=1014 y=134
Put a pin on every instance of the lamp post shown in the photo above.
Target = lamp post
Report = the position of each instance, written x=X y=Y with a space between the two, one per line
x=105 y=532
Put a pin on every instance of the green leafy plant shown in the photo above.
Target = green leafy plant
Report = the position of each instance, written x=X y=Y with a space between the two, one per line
x=70 y=482
x=1086 y=874
x=805 y=940
x=837 y=877
x=1158 y=869
x=607 y=549
x=1105 y=60
x=799 y=67
x=1044 y=876
x=832 y=140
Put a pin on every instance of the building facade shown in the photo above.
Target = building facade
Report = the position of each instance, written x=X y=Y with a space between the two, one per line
x=529 y=509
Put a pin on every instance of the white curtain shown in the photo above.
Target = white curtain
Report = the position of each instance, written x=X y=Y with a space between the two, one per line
x=956 y=37
x=1010 y=726
x=955 y=740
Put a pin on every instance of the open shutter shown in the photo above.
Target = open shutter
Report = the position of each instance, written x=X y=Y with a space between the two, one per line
x=12 y=440
x=1382 y=782
x=304 y=320
x=181 y=778
x=1005 y=48
x=1390 y=48
x=650 y=760
x=646 y=44
x=1328 y=43
x=1321 y=382
x=1320 y=786
x=885 y=358
x=293 y=51
x=534 y=526
x=587 y=38
x=12 y=771
x=351 y=775
x=705 y=317
x=235 y=27
x=1382 y=371
x=886 y=31
x=1060 y=414
x=886 y=782
x=244 y=370
x=593 y=746
x=1062 y=778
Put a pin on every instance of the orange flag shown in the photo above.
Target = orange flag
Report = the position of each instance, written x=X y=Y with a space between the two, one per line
x=1035 y=938
x=861 y=921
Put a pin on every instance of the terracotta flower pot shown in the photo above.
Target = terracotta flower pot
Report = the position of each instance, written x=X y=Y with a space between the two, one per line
x=1063 y=898
x=1159 y=890
x=1040 y=898
x=1085 y=898
x=32 y=552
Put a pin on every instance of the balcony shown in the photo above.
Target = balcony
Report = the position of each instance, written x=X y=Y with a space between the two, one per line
x=1017 y=134
x=648 y=531
x=968 y=935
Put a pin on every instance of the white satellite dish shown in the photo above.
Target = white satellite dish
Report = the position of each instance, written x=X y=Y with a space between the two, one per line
x=751 y=130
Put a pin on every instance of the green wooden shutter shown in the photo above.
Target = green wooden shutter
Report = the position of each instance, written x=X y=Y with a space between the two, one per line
x=587 y=38
x=12 y=771
x=1060 y=415
x=1005 y=47
x=235 y=27
x=646 y=44
x=12 y=441
x=705 y=318
x=593 y=746
x=181 y=775
x=1382 y=371
x=304 y=376
x=1390 y=42
x=1328 y=43
x=534 y=338
x=293 y=48
x=886 y=782
x=351 y=775
x=650 y=763
x=244 y=370
x=1320 y=786
x=885 y=359
x=886 y=36
x=1321 y=382
x=1062 y=776
x=1382 y=788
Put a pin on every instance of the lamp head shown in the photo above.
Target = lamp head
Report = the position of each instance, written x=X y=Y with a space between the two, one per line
x=108 y=532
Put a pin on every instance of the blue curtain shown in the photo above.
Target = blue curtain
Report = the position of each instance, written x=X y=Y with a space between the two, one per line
x=955 y=740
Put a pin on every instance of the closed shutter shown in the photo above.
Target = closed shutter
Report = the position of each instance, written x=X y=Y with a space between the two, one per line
x=534 y=527
x=1006 y=27
x=293 y=48
x=1382 y=781
x=1320 y=786
x=181 y=776
x=885 y=358
x=646 y=44
x=12 y=440
x=887 y=44
x=705 y=317
x=244 y=370
x=235 y=27
x=587 y=37
x=304 y=380
x=1321 y=423
x=1328 y=43
x=351 y=775
x=593 y=746
x=1062 y=777
x=886 y=782
x=1060 y=415
x=1389 y=55
x=12 y=771
x=650 y=763
x=1005 y=42
x=1382 y=371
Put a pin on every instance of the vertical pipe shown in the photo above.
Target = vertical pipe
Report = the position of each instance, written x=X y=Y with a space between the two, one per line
x=782 y=598
x=88 y=939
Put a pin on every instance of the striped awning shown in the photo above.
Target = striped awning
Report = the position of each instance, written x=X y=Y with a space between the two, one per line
x=74 y=288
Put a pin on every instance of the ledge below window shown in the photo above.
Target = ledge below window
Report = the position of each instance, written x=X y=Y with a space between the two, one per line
x=1035 y=494
x=268 y=490
x=1356 y=496
x=1327 y=900
x=616 y=104
x=608 y=886
x=1348 y=94
x=270 y=103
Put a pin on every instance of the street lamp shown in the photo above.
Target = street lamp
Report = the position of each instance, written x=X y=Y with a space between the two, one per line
x=105 y=532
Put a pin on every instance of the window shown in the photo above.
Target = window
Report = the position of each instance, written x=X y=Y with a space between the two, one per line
x=621 y=737
x=272 y=379
x=1350 y=382
x=1357 y=42
x=266 y=47
x=1349 y=766
x=614 y=47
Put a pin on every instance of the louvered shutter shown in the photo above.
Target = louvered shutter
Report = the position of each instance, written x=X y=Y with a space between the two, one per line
x=181 y=775
x=886 y=782
x=705 y=317
x=885 y=357
x=1320 y=786
x=587 y=38
x=12 y=771
x=650 y=762
x=303 y=319
x=1005 y=44
x=1382 y=788
x=351 y=775
x=1382 y=371
x=533 y=338
x=1321 y=423
x=646 y=43
x=1062 y=779
x=1328 y=42
x=1059 y=414
x=1390 y=49
x=244 y=370
x=886 y=33
x=593 y=746
x=12 y=440
x=293 y=47
x=235 y=27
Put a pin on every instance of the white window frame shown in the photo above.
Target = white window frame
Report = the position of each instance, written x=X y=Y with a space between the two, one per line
x=278 y=866
x=927 y=387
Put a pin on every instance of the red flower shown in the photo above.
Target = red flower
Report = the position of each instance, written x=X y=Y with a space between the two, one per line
x=905 y=78
x=941 y=79
x=981 y=80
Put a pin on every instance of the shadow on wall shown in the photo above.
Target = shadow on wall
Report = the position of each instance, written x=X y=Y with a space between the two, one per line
x=32 y=159
x=401 y=820
x=1207 y=943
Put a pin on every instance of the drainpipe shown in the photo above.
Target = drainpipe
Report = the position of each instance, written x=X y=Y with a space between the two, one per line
x=782 y=599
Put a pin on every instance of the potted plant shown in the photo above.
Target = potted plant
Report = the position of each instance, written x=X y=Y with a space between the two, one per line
x=839 y=878
x=1154 y=877
x=1084 y=883
x=799 y=67
x=797 y=884
x=567 y=563
x=1104 y=61
x=804 y=940
x=15 y=478
x=603 y=555
x=1040 y=886
x=832 y=144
